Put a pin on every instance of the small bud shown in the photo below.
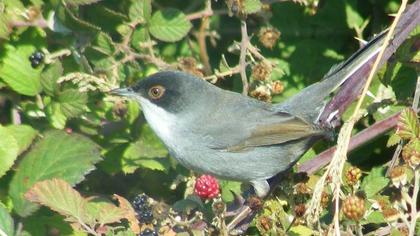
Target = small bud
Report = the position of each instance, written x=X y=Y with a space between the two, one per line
x=268 y=37
x=261 y=71
x=189 y=64
x=265 y=222
x=301 y=189
x=354 y=208
x=325 y=199
x=390 y=214
x=300 y=210
x=411 y=153
x=353 y=175
x=277 y=87
x=219 y=206
x=262 y=93
x=398 y=176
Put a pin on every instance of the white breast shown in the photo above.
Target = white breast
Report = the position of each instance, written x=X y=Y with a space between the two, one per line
x=161 y=121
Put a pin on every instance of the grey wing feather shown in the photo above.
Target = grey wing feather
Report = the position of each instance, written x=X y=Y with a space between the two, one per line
x=310 y=101
x=258 y=127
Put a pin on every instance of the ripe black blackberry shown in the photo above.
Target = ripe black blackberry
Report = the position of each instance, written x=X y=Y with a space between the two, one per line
x=140 y=201
x=36 y=58
x=143 y=210
x=148 y=232
x=145 y=215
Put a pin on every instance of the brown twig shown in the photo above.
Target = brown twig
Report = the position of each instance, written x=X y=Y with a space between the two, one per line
x=201 y=39
x=242 y=57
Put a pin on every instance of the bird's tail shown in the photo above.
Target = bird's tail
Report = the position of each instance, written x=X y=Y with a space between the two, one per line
x=309 y=102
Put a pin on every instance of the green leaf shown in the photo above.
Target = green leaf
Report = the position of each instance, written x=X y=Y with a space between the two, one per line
x=80 y=2
x=393 y=140
x=374 y=182
x=50 y=76
x=4 y=29
x=59 y=196
x=375 y=217
x=104 y=212
x=228 y=187
x=148 y=152
x=169 y=25
x=8 y=150
x=354 y=19
x=252 y=6
x=17 y=72
x=189 y=203
x=104 y=44
x=67 y=18
x=140 y=10
x=24 y=135
x=57 y=155
x=54 y=115
x=300 y=230
x=72 y=102
x=408 y=126
x=6 y=221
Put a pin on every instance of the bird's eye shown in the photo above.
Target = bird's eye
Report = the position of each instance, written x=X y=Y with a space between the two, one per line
x=156 y=92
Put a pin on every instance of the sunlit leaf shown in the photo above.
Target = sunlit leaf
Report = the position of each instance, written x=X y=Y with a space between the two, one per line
x=6 y=221
x=408 y=126
x=16 y=70
x=57 y=155
x=169 y=25
x=374 y=182
x=24 y=135
x=9 y=149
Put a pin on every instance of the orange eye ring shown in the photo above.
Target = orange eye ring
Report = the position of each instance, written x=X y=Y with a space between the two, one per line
x=156 y=92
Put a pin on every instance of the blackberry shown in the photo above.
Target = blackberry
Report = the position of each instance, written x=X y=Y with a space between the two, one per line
x=36 y=59
x=143 y=210
x=148 y=232
x=140 y=201
x=145 y=215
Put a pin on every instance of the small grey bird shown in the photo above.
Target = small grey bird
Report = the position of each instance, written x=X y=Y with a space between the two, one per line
x=232 y=136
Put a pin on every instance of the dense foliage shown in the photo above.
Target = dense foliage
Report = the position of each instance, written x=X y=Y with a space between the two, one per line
x=67 y=144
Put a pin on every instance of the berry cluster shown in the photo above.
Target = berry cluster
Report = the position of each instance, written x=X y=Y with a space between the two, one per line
x=206 y=187
x=36 y=59
x=148 y=232
x=143 y=209
x=353 y=175
x=354 y=208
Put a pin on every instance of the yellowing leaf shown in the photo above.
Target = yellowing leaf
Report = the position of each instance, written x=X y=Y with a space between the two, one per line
x=58 y=195
x=408 y=126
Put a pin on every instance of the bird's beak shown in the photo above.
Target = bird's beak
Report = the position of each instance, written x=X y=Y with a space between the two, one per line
x=125 y=92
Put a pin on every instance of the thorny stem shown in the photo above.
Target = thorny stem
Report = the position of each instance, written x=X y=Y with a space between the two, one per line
x=414 y=214
x=218 y=75
x=241 y=216
x=201 y=38
x=201 y=14
x=242 y=57
x=359 y=231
